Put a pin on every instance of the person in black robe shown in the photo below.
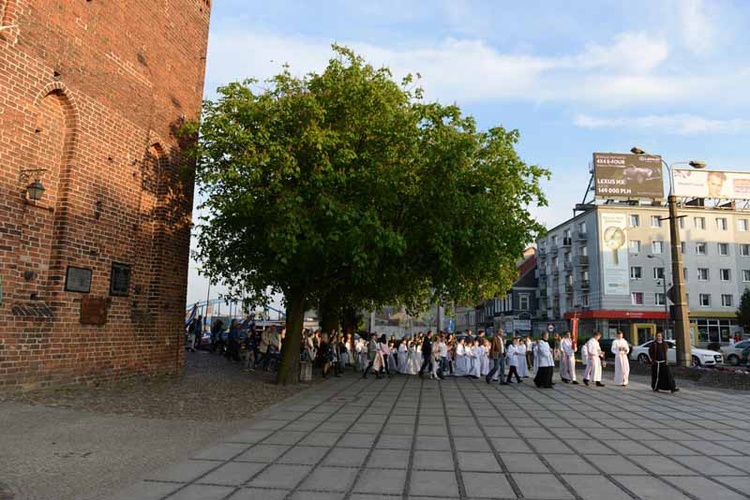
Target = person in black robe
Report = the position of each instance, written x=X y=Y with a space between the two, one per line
x=661 y=376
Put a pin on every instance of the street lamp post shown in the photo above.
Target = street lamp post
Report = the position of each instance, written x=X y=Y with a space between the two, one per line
x=664 y=284
x=681 y=319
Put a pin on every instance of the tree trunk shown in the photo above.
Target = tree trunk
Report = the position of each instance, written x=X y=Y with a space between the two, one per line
x=288 y=373
x=351 y=320
x=329 y=312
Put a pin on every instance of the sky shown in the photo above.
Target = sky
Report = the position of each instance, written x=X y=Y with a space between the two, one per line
x=573 y=76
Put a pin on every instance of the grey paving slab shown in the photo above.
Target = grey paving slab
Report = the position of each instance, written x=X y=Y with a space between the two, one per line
x=475 y=441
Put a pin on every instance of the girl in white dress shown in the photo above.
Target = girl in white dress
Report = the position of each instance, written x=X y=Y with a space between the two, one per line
x=473 y=353
x=403 y=357
x=620 y=349
x=520 y=355
x=414 y=362
x=462 y=360
x=513 y=359
x=484 y=358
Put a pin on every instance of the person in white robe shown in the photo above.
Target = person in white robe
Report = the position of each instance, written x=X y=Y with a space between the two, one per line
x=484 y=358
x=435 y=359
x=513 y=359
x=414 y=359
x=621 y=349
x=403 y=357
x=462 y=360
x=568 y=360
x=594 y=368
x=544 y=363
x=521 y=359
x=474 y=366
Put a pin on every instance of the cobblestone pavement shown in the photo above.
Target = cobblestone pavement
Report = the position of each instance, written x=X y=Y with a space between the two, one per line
x=410 y=438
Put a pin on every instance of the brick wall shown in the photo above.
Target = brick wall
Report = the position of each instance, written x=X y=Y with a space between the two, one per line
x=90 y=93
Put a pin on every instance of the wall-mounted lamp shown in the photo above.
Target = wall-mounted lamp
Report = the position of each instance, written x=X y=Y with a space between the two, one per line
x=35 y=190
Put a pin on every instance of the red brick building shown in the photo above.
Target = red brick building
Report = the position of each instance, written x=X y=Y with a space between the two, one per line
x=93 y=273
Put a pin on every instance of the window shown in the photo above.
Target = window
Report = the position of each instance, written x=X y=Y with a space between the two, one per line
x=704 y=299
x=635 y=220
x=725 y=274
x=685 y=273
x=636 y=272
x=554 y=240
x=744 y=249
x=681 y=223
x=701 y=248
x=723 y=248
x=658 y=273
x=566 y=234
x=657 y=246
x=659 y=299
x=721 y=224
x=702 y=274
x=584 y=251
x=636 y=298
x=582 y=228
x=655 y=221
x=726 y=300
x=523 y=301
x=699 y=222
x=746 y=275
x=742 y=225
x=585 y=300
x=635 y=246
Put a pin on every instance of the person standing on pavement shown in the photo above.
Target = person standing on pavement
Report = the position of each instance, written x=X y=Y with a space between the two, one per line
x=372 y=352
x=497 y=356
x=567 y=360
x=426 y=354
x=443 y=355
x=620 y=349
x=594 y=368
x=544 y=362
x=514 y=356
x=661 y=376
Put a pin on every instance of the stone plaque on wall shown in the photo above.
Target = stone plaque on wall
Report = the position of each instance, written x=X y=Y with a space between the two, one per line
x=94 y=311
x=78 y=279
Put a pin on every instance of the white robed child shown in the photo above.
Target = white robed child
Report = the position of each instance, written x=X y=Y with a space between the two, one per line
x=473 y=353
x=403 y=357
x=484 y=358
x=462 y=359
x=523 y=365
x=620 y=349
x=568 y=360
x=414 y=359
x=513 y=359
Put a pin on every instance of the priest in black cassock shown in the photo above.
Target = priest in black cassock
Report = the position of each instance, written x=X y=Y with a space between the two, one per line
x=661 y=376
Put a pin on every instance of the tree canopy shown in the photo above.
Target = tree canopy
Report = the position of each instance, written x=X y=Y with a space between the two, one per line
x=347 y=184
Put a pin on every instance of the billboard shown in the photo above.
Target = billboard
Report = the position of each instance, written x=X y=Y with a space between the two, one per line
x=613 y=249
x=715 y=184
x=628 y=176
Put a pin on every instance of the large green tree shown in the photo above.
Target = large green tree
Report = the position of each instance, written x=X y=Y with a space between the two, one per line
x=346 y=187
x=743 y=311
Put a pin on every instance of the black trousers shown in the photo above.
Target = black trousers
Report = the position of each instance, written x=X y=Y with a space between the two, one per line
x=543 y=377
x=513 y=371
x=426 y=363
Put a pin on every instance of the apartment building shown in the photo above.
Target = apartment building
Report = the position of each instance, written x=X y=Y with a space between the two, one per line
x=610 y=266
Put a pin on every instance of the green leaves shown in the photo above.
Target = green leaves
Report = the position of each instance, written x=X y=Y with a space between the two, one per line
x=347 y=183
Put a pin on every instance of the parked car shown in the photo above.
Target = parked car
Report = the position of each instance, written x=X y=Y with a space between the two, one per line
x=606 y=346
x=700 y=356
x=733 y=353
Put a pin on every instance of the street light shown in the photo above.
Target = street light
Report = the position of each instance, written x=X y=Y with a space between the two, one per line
x=664 y=283
x=681 y=319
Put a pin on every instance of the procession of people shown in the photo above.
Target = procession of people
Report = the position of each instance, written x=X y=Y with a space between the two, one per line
x=441 y=355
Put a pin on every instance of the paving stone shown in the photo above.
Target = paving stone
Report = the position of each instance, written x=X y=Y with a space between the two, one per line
x=523 y=462
x=649 y=488
x=570 y=464
x=435 y=443
x=388 y=459
x=356 y=440
x=660 y=465
x=329 y=479
x=482 y=485
x=541 y=486
x=615 y=464
x=626 y=447
x=510 y=445
x=147 y=490
x=709 y=466
x=285 y=437
x=184 y=472
x=320 y=439
x=232 y=473
x=202 y=492
x=259 y=494
x=265 y=453
x=433 y=483
x=303 y=455
x=702 y=487
x=280 y=476
x=381 y=482
x=478 y=462
x=433 y=460
x=391 y=442
x=223 y=451
x=346 y=457
x=549 y=446
x=589 y=446
x=470 y=444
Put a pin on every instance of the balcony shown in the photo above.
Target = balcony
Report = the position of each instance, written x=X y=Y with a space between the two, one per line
x=568 y=265
x=568 y=288
x=582 y=260
x=553 y=250
x=583 y=236
x=585 y=285
x=567 y=242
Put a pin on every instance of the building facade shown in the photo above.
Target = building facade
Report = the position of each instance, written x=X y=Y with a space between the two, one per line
x=610 y=266
x=93 y=268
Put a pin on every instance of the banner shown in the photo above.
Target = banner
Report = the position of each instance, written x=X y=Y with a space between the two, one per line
x=574 y=331
x=628 y=176
x=613 y=249
x=714 y=184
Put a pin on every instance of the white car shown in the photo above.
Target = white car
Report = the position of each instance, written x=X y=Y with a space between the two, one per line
x=733 y=353
x=700 y=356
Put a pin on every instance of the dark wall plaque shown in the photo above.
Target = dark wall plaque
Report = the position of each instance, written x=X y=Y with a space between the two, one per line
x=94 y=311
x=78 y=279
x=119 y=281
